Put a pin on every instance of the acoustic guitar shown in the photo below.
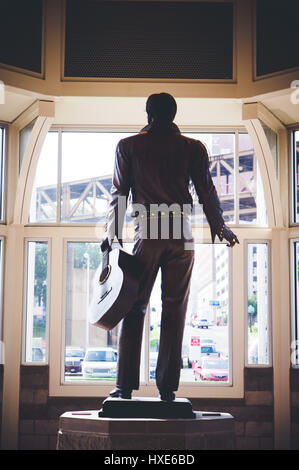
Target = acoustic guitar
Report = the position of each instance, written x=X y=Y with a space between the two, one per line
x=115 y=287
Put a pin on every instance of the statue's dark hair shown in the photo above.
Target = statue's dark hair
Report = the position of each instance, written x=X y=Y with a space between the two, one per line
x=161 y=106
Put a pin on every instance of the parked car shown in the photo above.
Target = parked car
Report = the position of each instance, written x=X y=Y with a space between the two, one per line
x=73 y=360
x=208 y=350
x=99 y=362
x=198 y=322
x=212 y=369
x=199 y=352
x=203 y=323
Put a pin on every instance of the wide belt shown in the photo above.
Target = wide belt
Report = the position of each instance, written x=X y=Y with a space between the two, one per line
x=160 y=225
x=160 y=213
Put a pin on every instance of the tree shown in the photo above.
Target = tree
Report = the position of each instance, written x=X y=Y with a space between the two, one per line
x=41 y=266
x=252 y=312
x=94 y=251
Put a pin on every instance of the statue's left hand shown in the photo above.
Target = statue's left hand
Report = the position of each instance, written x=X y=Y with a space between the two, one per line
x=230 y=236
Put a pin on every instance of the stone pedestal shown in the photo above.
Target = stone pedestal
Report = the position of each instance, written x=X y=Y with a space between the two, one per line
x=78 y=431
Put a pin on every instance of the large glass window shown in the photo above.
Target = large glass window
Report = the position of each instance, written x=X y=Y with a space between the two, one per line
x=296 y=175
x=36 y=302
x=75 y=168
x=258 y=311
x=295 y=303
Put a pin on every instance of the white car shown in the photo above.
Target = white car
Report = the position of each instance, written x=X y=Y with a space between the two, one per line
x=99 y=363
x=203 y=323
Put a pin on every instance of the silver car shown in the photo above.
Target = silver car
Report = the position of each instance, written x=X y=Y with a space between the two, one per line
x=99 y=363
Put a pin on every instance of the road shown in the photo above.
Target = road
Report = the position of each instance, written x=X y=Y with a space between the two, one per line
x=218 y=333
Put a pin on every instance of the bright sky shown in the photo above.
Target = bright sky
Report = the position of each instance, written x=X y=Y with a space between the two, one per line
x=84 y=155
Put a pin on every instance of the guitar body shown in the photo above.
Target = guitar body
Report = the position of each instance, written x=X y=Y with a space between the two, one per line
x=116 y=292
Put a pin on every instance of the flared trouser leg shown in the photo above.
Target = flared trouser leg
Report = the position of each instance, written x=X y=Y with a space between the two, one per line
x=176 y=275
x=130 y=339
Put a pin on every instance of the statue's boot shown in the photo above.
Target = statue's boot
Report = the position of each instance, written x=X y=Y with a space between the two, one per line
x=119 y=392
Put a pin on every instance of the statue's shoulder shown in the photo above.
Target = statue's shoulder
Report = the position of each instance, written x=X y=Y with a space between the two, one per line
x=132 y=138
x=196 y=142
x=191 y=141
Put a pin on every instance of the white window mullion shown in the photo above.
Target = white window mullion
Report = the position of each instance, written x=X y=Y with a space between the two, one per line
x=294 y=261
x=2 y=250
x=236 y=182
x=58 y=192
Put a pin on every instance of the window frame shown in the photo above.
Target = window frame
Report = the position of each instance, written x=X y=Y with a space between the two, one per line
x=293 y=295
x=2 y=271
x=59 y=388
x=3 y=228
x=24 y=307
x=3 y=164
x=292 y=176
x=146 y=331
x=236 y=130
x=269 y=274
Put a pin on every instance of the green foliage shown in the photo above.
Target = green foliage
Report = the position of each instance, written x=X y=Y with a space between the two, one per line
x=252 y=300
x=41 y=265
x=253 y=331
x=154 y=338
x=79 y=261
x=39 y=332
x=94 y=251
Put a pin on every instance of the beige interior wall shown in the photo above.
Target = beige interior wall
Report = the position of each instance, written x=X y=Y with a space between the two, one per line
x=130 y=111
x=52 y=84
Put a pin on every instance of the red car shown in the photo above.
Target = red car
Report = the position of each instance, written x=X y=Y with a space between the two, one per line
x=73 y=360
x=212 y=369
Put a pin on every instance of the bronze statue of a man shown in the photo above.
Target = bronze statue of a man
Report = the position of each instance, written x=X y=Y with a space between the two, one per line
x=156 y=165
